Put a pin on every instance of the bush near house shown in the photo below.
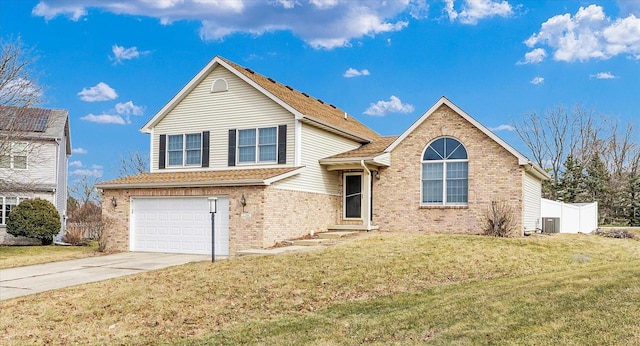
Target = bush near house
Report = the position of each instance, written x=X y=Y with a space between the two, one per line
x=35 y=218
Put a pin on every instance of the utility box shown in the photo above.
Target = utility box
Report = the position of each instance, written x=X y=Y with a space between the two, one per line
x=551 y=224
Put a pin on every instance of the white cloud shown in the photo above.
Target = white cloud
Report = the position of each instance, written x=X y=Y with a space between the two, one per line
x=104 y=119
x=322 y=24
x=503 y=127
x=474 y=10
x=99 y=92
x=533 y=57
x=352 y=72
x=120 y=53
x=76 y=163
x=79 y=151
x=537 y=80
x=589 y=34
x=128 y=108
x=19 y=89
x=603 y=75
x=87 y=172
x=394 y=105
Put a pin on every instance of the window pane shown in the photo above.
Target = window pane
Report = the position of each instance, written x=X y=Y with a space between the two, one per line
x=20 y=162
x=175 y=158
x=246 y=137
x=457 y=170
x=193 y=157
x=457 y=191
x=435 y=151
x=193 y=141
x=432 y=171
x=268 y=136
x=247 y=154
x=432 y=191
x=175 y=142
x=455 y=150
x=267 y=152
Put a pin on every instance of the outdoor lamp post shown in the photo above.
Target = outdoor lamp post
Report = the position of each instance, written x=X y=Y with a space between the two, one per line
x=213 y=208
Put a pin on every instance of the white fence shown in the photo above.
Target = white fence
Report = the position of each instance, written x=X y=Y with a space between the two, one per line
x=574 y=218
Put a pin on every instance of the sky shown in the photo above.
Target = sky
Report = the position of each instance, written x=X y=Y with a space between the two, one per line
x=114 y=63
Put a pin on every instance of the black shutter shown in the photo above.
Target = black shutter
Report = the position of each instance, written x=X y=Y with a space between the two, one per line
x=282 y=144
x=205 y=149
x=162 y=156
x=232 y=148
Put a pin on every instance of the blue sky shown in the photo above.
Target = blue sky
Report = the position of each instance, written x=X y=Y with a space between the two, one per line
x=114 y=63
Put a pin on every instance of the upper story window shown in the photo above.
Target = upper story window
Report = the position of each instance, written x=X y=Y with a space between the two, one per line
x=14 y=156
x=445 y=170
x=6 y=205
x=257 y=145
x=184 y=150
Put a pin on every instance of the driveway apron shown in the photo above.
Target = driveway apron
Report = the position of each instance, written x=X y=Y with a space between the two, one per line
x=21 y=281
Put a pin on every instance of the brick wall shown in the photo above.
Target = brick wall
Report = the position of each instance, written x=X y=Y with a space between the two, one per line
x=494 y=174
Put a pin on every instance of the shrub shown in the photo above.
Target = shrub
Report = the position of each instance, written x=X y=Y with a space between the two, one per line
x=498 y=221
x=74 y=235
x=34 y=218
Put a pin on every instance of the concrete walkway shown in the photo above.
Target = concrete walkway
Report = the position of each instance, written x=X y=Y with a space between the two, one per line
x=21 y=281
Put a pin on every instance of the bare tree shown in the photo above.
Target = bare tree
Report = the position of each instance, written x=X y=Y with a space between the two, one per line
x=134 y=163
x=18 y=81
x=84 y=190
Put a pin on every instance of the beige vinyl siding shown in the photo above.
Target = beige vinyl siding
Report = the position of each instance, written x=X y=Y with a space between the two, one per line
x=532 y=201
x=241 y=107
x=315 y=145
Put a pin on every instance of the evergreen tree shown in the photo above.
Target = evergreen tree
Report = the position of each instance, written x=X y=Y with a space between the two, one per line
x=633 y=200
x=572 y=184
x=599 y=187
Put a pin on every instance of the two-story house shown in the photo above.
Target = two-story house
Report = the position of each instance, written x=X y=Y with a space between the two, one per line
x=35 y=145
x=281 y=164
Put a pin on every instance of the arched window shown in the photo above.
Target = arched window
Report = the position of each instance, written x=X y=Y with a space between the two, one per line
x=219 y=85
x=445 y=170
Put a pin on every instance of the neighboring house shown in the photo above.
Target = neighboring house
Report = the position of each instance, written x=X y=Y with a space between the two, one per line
x=282 y=163
x=34 y=147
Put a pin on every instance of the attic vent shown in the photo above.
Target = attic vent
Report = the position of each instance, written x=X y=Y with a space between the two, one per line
x=332 y=106
x=319 y=100
x=219 y=85
x=249 y=70
x=288 y=87
x=271 y=80
x=305 y=94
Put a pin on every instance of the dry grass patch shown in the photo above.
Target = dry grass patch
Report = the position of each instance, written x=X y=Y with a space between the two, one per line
x=18 y=256
x=399 y=274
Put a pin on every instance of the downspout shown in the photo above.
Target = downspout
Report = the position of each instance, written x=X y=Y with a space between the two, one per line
x=367 y=187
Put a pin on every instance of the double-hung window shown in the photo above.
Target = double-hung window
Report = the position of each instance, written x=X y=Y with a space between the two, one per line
x=184 y=150
x=257 y=145
x=445 y=170
x=6 y=205
x=14 y=156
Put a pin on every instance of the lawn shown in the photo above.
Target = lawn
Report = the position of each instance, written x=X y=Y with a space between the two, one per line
x=18 y=256
x=381 y=288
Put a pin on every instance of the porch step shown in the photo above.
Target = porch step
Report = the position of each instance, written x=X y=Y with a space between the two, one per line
x=337 y=234
x=311 y=242
x=350 y=228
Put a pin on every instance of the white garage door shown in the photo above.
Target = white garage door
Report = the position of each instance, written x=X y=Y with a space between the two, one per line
x=178 y=225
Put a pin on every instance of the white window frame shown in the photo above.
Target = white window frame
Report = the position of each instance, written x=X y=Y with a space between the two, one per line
x=3 y=211
x=13 y=153
x=183 y=151
x=444 y=163
x=257 y=146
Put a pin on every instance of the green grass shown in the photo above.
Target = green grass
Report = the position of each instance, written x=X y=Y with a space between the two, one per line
x=18 y=256
x=378 y=289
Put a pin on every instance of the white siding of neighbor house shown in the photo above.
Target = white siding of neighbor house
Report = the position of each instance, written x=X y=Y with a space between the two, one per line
x=532 y=201
x=315 y=145
x=240 y=107
x=41 y=165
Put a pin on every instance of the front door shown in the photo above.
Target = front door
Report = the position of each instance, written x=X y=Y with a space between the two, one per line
x=352 y=196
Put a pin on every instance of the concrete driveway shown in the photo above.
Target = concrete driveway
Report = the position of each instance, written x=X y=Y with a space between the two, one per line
x=16 y=282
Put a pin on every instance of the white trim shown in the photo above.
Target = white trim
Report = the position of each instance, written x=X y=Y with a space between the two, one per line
x=298 y=143
x=444 y=162
x=344 y=194
x=257 y=146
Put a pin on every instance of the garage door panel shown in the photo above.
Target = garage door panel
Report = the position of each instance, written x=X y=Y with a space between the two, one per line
x=179 y=225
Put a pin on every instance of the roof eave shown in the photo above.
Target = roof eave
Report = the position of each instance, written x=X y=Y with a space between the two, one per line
x=345 y=133
x=249 y=182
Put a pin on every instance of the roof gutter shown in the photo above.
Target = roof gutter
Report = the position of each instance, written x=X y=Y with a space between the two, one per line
x=251 y=182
